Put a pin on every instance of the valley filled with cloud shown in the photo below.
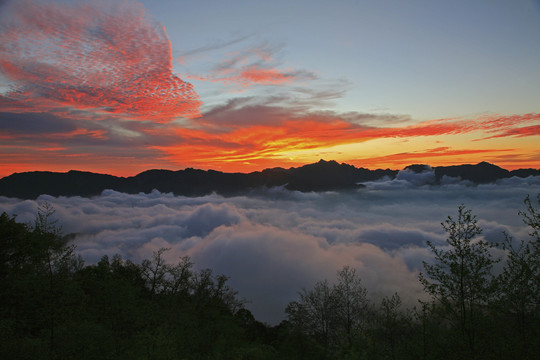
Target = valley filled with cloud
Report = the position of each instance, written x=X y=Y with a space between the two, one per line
x=274 y=242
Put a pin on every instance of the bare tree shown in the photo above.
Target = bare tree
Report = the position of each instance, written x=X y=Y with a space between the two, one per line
x=352 y=305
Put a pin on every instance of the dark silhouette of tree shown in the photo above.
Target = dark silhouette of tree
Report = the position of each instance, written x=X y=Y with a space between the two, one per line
x=352 y=305
x=336 y=316
x=154 y=272
x=520 y=285
x=392 y=325
x=315 y=313
x=37 y=269
x=460 y=278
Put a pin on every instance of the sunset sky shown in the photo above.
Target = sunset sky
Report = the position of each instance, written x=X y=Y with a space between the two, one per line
x=120 y=87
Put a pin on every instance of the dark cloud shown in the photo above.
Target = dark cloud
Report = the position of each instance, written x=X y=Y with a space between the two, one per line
x=238 y=112
x=275 y=110
x=34 y=123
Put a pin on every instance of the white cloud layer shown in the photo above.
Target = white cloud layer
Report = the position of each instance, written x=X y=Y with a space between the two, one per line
x=272 y=243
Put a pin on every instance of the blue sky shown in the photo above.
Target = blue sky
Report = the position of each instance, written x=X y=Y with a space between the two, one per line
x=426 y=59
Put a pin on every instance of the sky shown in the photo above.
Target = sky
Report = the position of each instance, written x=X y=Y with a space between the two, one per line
x=272 y=243
x=124 y=86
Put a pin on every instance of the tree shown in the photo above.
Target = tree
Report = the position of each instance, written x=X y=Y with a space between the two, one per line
x=179 y=282
x=53 y=307
x=16 y=276
x=36 y=272
x=56 y=257
x=460 y=278
x=334 y=315
x=352 y=305
x=315 y=312
x=391 y=325
x=520 y=281
x=155 y=272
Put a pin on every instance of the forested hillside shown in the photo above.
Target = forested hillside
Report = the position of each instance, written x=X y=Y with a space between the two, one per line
x=482 y=302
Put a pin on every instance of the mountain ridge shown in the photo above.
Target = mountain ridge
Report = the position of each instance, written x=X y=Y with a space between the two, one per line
x=319 y=176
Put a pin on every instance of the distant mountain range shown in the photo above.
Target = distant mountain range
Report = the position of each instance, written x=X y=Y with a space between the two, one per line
x=320 y=176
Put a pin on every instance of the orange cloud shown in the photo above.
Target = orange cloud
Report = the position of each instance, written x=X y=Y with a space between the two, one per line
x=435 y=156
x=252 y=143
x=242 y=136
x=247 y=145
x=112 y=58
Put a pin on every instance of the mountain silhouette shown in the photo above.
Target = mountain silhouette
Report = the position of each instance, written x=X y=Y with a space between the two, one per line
x=320 y=176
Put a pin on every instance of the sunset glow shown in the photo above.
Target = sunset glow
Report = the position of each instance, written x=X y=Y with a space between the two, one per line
x=123 y=87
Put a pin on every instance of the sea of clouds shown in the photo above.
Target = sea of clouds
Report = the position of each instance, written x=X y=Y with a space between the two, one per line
x=274 y=242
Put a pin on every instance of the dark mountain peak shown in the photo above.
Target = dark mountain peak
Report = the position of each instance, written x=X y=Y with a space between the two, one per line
x=333 y=162
x=320 y=164
x=81 y=172
x=324 y=176
x=480 y=173
x=323 y=165
x=270 y=170
x=485 y=164
x=30 y=185
x=155 y=171
x=523 y=173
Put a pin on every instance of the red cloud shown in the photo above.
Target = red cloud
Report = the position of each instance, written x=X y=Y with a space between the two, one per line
x=501 y=126
x=248 y=76
x=509 y=126
x=522 y=131
x=256 y=75
x=252 y=66
x=113 y=58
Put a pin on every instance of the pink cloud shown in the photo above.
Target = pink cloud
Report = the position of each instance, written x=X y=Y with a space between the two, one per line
x=112 y=58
